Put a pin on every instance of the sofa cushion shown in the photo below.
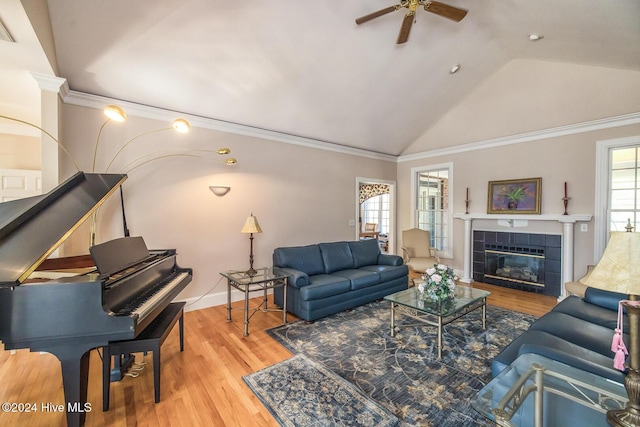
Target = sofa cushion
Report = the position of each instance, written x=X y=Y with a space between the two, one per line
x=359 y=278
x=388 y=272
x=577 y=331
x=553 y=347
x=323 y=286
x=304 y=258
x=336 y=256
x=365 y=252
x=599 y=315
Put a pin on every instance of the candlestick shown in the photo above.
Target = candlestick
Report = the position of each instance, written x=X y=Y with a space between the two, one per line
x=565 y=189
x=565 y=199
x=466 y=202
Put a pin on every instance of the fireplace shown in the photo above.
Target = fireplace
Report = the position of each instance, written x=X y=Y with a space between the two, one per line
x=529 y=262
x=515 y=264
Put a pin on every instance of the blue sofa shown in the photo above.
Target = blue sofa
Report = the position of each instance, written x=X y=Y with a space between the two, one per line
x=577 y=332
x=327 y=278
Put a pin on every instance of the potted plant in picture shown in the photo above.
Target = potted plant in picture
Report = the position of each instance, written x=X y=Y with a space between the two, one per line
x=514 y=194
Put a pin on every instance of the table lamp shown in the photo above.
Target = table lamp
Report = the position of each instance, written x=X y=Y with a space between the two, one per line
x=251 y=226
x=618 y=271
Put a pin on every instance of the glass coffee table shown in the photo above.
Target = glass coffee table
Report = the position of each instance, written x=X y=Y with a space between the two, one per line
x=438 y=313
x=535 y=391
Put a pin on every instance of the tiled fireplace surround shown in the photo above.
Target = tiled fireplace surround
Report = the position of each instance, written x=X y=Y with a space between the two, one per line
x=548 y=244
x=510 y=223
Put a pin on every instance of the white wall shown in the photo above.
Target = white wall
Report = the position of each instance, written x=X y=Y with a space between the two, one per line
x=560 y=109
x=556 y=160
x=300 y=195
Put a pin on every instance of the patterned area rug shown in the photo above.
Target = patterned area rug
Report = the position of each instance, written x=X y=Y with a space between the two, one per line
x=402 y=373
x=302 y=392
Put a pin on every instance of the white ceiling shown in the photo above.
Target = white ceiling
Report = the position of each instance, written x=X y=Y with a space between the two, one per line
x=306 y=69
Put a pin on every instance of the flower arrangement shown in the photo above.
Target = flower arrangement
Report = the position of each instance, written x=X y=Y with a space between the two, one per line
x=439 y=282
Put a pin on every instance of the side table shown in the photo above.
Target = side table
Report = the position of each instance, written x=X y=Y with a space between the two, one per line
x=263 y=280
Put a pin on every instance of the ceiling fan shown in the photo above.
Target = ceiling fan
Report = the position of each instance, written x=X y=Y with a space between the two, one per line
x=444 y=10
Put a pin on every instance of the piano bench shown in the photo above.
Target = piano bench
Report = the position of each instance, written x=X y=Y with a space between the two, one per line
x=150 y=339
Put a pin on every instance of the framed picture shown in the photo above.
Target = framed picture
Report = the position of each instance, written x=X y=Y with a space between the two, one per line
x=515 y=196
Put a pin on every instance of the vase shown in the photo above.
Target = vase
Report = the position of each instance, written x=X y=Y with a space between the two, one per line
x=512 y=205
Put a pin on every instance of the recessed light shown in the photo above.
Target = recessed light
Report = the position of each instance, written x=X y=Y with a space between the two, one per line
x=535 y=37
x=454 y=69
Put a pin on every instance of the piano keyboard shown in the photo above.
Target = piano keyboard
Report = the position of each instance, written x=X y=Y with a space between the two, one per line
x=152 y=302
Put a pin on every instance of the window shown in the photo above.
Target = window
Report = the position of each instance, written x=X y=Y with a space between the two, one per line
x=624 y=188
x=376 y=210
x=617 y=181
x=432 y=203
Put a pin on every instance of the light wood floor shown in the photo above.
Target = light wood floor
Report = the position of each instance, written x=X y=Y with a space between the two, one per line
x=201 y=386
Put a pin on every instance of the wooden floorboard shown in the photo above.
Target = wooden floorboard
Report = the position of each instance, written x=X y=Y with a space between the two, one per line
x=201 y=386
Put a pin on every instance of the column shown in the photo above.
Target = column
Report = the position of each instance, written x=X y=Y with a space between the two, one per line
x=468 y=262
x=567 y=254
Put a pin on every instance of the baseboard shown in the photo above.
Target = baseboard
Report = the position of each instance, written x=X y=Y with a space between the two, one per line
x=212 y=300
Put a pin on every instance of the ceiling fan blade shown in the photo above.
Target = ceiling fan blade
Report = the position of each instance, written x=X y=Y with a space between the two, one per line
x=407 y=22
x=446 y=11
x=377 y=14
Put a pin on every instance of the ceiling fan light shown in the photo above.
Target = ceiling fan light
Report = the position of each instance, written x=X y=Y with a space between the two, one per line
x=454 y=69
x=535 y=37
x=115 y=113
x=181 y=125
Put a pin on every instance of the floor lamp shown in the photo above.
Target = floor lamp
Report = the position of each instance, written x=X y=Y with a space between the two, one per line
x=619 y=271
x=251 y=226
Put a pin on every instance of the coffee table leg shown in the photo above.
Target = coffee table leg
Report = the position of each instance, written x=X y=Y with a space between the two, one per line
x=484 y=314
x=393 y=323
x=284 y=303
x=439 y=337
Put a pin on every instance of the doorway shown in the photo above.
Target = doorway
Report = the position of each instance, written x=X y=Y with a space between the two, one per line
x=375 y=203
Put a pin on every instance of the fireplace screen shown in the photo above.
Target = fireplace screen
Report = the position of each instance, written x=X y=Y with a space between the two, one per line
x=525 y=268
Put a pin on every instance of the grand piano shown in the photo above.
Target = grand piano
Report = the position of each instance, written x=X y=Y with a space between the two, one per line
x=71 y=315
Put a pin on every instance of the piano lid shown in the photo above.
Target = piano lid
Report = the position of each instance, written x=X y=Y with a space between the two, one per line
x=32 y=228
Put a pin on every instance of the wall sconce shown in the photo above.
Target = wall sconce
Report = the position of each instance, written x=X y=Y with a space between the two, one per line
x=219 y=191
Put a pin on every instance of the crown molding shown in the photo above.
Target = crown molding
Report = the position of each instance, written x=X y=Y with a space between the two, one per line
x=594 y=125
x=98 y=102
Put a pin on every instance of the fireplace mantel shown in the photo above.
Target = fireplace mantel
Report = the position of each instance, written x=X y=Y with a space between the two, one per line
x=544 y=217
x=515 y=220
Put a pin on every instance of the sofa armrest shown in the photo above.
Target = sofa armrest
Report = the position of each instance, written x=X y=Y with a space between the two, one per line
x=296 y=278
x=604 y=298
x=385 y=259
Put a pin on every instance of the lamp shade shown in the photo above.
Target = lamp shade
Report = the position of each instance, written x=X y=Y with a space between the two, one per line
x=251 y=225
x=618 y=270
x=115 y=113
x=181 y=125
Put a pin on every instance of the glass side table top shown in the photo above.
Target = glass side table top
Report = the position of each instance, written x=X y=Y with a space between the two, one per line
x=463 y=297
x=537 y=391
x=264 y=274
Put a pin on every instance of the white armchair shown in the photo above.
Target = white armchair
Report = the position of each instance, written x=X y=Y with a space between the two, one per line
x=417 y=252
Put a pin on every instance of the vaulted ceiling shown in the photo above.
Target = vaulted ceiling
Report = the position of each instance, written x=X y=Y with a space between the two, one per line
x=306 y=68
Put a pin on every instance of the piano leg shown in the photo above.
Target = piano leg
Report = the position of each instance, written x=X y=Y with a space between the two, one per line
x=74 y=359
